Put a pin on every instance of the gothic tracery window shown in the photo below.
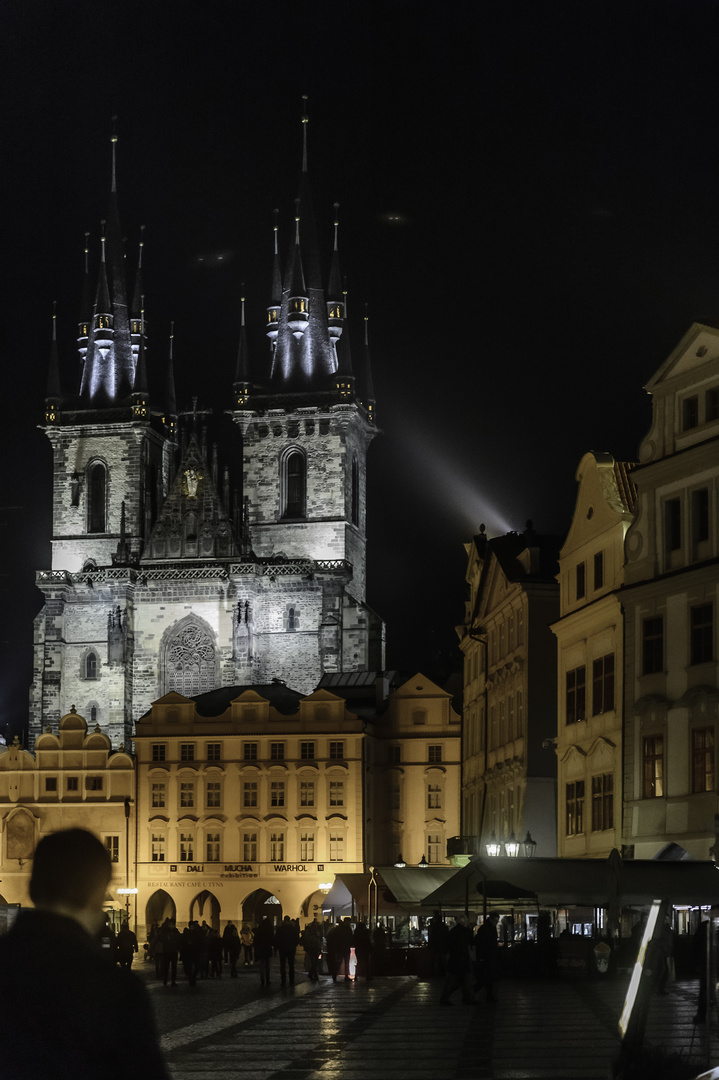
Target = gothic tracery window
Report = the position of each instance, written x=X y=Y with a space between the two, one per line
x=190 y=668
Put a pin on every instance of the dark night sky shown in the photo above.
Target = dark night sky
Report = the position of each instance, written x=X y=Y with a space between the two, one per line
x=555 y=169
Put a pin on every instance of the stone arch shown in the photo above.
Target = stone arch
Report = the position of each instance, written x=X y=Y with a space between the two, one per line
x=159 y=907
x=258 y=904
x=189 y=658
x=205 y=906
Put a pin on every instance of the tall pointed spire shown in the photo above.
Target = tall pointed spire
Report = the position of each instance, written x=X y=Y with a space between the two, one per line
x=53 y=393
x=140 y=394
x=273 y=311
x=335 y=309
x=137 y=322
x=171 y=399
x=242 y=384
x=344 y=377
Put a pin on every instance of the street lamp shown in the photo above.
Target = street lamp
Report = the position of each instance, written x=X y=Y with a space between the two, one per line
x=400 y=861
x=128 y=893
x=511 y=846
x=493 y=847
x=423 y=864
x=530 y=846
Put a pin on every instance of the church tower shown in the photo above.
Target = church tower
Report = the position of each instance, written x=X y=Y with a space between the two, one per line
x=158 y=583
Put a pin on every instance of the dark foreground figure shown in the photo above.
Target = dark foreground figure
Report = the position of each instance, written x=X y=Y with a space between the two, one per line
x=67 y=1011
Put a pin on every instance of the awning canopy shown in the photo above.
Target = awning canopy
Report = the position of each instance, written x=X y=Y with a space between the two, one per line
x=578 y=882
x=410 y=884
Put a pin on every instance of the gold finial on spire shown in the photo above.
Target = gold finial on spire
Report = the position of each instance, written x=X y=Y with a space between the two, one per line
x=242 y=302
x=336 y=206
x=113 y=140
x=142 y=244
x=305 y=122
x=276 y=212
x=54 y=320
x=172 y=335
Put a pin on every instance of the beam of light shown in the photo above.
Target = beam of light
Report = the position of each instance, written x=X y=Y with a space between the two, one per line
x=450 y=482
x=637 y=973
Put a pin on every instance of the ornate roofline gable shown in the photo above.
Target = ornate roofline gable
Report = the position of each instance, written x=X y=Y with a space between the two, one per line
x=599 y=505
x=419 y=686
x=697 y=350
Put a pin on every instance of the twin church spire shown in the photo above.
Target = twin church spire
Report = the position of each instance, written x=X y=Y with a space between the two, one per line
x=306 y=323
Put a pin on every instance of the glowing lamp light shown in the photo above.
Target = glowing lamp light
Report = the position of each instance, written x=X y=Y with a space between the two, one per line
x=423 y=864
x=127 y=892
x=400 y=861
x=511 y=846
x=325 y=887
x=493 y=847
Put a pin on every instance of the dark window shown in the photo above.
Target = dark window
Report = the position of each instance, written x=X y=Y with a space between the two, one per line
x=50 y=783
x=96 y=496
x=249 y=793
x=434 y=754
x=292 y=620
x=277 y=793
x=112 y=843
x=158 y=751
x=575 y=808
x=277 y=751
x=690 y=413
x=602 y=802
x=581 y=581
x=652 y=645
x=91 y=665
x=295 y=485
x=187 y=751
x=653 y=767
x=394 y=754
x=576 y=695
x=72 y=783
x=603 y=684
x=93 y=714
x=703 y=759
x=214 y=751
x=307 y=751
x=337 y=750
x=711 y=404
x=599 y=570
x=93 y=783
x=673 y=524
x=249 y=751
x=702 y=634
x=700 y=515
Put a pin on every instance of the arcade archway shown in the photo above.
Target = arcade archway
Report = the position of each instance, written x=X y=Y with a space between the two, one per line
x=205 y=906
x=259 y=904
x=159 y=907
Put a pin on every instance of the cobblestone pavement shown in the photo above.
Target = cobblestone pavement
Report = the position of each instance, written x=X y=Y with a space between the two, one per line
x=392 y=1028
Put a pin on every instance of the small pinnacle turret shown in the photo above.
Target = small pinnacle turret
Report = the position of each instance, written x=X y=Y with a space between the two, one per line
x=368 y=398
x=137 y=301
x=53 y=394
x=273 y=311
x=140 y=394
x=170 y=396
x=335 y=300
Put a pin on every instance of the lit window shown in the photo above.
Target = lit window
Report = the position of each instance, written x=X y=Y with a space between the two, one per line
x=653 y=767
x=212 y=847
x=158 y=847
x=575 y=808
x=434 y=848
x=277 y=847
x=187 y=847
x=112 y=843
x=703 y=759
x=249 y=847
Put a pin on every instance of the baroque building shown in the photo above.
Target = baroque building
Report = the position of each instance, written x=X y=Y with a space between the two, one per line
x=162 y=580
x=670 y=598
x=510 y=690
x=590 y=661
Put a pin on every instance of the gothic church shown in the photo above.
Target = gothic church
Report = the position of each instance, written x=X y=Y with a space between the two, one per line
x=160 y=579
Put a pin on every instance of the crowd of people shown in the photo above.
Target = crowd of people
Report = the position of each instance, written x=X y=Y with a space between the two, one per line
x=467 y=955
x=204 y=953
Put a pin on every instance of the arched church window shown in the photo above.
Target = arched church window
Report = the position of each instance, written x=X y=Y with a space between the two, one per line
x=292 y=619
x=91 y=665
x=190 y=667
x=96 y=498
x=93 y=714
x=354 y=508
x=294 y=485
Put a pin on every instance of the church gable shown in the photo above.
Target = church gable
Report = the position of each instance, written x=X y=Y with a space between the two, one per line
x=193 y=522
